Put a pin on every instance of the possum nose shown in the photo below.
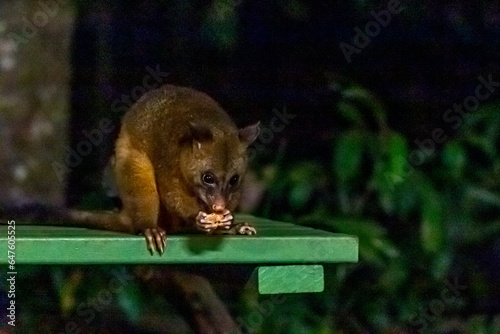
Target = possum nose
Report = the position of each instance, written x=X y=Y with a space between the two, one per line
x=218 y=208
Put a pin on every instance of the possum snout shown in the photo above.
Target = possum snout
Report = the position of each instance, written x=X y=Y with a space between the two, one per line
x=218 y=208
x=217 y=204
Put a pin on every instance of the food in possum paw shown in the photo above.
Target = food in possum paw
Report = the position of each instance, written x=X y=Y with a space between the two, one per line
x=214 y=218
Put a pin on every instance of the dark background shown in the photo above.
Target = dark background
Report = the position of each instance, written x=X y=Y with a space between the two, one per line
x=349 y=162
x=253 y=56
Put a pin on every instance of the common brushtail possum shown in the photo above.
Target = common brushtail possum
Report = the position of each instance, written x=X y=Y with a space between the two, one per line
x=179 y=160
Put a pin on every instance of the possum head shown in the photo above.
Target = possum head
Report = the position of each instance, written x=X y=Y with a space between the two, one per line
x=213 y=163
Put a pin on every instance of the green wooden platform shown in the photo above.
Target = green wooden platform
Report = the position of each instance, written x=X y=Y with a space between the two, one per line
x=288 y=257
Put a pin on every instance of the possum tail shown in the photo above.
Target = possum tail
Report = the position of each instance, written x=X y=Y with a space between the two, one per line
x=59 y=216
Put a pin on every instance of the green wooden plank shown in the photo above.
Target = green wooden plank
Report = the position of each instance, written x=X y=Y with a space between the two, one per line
x=276 y=242
x=291 y=279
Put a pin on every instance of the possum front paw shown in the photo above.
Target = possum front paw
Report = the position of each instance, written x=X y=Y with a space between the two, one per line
x=245 y=229
x=156 y=239
x=238 y=229
x=209 y=222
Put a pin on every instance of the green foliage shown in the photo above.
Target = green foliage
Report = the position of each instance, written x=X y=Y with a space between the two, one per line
x=221 y=23
x=432 y=227
x=416 y=225
x=348 y=157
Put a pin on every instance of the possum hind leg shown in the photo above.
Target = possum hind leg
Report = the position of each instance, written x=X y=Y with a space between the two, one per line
x=135 y=179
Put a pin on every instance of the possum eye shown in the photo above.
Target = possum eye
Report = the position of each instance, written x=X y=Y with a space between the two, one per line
x=208 y=179
x=234 y=180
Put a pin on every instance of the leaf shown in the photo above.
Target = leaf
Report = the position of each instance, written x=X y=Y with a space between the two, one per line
x=392 y=160
x=391 y=171
x=406 y=198
x=131 y=301
x=305 y=171
x=394 y=275
x=300 y=195
x=349 y=111
x=483 y=196
x=358 y=93
x=441 y=264
x=432 y=232
x=220 y=24
x=454 y=158
x=304 y=178
x=68 y=290
x=348 y=157
x=397 y=149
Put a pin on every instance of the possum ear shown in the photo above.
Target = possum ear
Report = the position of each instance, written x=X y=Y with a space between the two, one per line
x=248 y=134
x=199 y=134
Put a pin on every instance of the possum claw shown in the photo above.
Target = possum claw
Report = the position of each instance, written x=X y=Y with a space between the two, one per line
x=245 y=229
x=238 y=229
x=156 y=239
x=227 y=221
